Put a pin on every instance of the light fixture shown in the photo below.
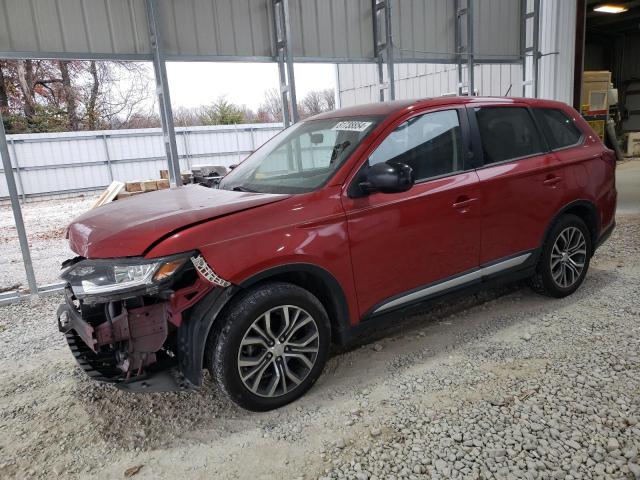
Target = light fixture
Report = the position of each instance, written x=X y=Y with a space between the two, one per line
x=610 y=8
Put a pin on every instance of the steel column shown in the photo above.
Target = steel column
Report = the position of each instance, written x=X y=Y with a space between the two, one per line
x=284 y=57
x=470 y=49
x=107 y=157
x=15 y=160
x=389 y=50
x=534 y=49
x=465 y=50
x=289 y=59
x=162 y=90
x=536 y=45
x=17 y=212
x=458 y=44
x=523 y=44
x=383 y=49
x=378 y=47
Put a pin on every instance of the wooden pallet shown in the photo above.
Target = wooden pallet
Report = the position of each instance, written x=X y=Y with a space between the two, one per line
x=109 y=194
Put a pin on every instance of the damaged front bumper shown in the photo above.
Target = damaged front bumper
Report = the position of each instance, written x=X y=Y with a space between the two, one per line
x=135 y=343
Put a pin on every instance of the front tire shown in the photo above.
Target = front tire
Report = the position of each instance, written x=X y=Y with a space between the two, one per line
x=565 y=258
x=270 y=346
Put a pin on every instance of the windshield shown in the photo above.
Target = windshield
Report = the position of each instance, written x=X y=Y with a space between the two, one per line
x=301 y=158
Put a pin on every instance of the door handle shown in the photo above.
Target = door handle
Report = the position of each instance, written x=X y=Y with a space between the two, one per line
x=463 y=202
x=552 y=180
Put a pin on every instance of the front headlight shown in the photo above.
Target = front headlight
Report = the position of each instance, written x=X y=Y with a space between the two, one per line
x=95 y=277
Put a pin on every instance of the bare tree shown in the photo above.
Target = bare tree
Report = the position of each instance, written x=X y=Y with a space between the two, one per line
x=272 y=105
x=24 y=69
x=69 y=95
x=311 y=104
x=4 y=96
x=48 y=95
x=185 y=117
x=329 y=98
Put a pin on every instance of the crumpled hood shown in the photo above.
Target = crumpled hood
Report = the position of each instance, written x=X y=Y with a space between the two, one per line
x=127 y=228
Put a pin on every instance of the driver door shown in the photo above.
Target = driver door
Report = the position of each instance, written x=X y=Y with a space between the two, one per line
x=404 y=246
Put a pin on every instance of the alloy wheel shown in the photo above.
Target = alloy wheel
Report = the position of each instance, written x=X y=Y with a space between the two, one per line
x=568 y=257
x=278 y=351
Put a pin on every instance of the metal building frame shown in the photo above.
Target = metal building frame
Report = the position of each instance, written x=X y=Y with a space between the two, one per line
x=282 y=43
x=464 y=24
x=383 y=46
x=164 y=97
x=383 y=49
x=530 y=22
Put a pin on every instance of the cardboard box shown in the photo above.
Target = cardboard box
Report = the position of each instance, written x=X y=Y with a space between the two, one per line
x=595 y=92
x=633 y=144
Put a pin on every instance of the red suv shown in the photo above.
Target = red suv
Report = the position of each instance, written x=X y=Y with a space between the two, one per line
x=345 y=219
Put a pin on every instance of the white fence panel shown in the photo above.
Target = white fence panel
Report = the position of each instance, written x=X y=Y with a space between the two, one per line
x=69 y=162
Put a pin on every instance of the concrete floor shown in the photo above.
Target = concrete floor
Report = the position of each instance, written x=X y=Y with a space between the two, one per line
x=628 y=185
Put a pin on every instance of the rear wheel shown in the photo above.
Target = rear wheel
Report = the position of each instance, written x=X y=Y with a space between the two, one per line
x=270 y=347
x=565 y=258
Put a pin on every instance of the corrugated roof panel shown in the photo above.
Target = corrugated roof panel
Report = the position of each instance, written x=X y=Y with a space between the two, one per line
x=331 y=29
x=496 y=29
x=325 y=30
x=210 y=28
x=424 y=29
x=68 y=27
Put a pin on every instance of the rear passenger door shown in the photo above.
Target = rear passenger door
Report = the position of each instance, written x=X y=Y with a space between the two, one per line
x=520 y=179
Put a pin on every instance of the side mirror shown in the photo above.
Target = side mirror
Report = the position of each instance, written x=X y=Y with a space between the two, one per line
x=388 y=178
x=231 y=167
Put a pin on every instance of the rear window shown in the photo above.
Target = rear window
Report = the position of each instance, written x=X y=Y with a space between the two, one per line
x=507 y=133
x=558 y=127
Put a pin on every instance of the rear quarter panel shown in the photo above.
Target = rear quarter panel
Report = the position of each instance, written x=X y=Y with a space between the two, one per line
x=592 y=166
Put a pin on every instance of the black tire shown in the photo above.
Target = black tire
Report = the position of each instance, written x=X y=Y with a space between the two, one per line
x=543 y=282
x=222 y=354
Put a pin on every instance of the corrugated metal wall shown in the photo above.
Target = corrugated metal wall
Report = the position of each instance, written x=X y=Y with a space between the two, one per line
x=77 y=161
x=358 y=83
x=557 y=44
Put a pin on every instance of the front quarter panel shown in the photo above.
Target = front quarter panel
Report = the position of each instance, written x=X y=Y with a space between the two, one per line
x=309 y=228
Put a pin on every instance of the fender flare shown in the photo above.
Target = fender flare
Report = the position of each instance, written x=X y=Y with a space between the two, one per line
x=340 y=324
x=576 y=203
x=195 y=329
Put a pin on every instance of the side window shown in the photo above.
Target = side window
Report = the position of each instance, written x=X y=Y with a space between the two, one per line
x=431 y=144
x=507 y=133
x=558 y=127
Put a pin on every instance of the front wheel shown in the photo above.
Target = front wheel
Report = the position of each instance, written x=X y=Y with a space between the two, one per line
x=565 y=258
x=270 y=347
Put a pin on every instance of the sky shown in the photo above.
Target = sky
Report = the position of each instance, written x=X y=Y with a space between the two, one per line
x=199 y=83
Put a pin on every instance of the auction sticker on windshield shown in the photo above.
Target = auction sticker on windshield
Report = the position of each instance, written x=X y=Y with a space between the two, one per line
x=352 y=126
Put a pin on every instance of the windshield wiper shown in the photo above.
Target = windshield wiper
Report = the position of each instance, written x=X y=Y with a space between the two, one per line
x=243 y=189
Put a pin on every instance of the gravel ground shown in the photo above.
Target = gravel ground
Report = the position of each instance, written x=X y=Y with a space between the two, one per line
x=504 y=384
x=45 y=223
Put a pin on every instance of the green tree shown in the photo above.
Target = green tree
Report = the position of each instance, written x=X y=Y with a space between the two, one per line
x=221 y=112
